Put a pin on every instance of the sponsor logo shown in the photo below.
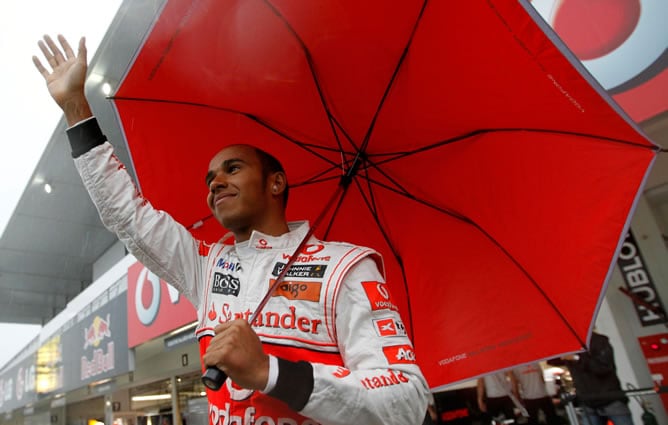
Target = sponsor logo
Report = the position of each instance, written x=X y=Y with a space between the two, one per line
x=305 y=291
x=97 y=331
x=399 y=354
x=389 y=327
x=225 y=284
x=99 y=363
x=452 y=359
x=341 y=372
x=212 y=315
x=310 y=249
x=272 y=319
x=307 y=258
x=379 y=296
x=228 y=265
x=222 y=416
x=301 y=270
x=262 y=244
x=236 y=392
x=148 y=314
x=384 y=380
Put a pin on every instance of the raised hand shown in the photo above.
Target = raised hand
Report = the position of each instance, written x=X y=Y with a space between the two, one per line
x=66 y=79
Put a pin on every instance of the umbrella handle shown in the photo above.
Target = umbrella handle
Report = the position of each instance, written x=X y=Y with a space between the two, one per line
x=213 y=378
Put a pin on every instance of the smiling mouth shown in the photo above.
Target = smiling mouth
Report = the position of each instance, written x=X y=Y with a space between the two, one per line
x=219 y=199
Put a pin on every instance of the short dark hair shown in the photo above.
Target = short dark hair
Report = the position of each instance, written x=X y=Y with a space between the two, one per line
x=272 y=165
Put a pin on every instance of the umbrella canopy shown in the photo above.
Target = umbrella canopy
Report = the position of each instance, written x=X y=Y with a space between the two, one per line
x=472 y=151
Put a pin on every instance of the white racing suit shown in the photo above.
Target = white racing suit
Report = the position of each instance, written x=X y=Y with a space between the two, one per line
x=343 y=353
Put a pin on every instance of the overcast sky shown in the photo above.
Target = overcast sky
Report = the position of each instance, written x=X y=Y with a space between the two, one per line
x=29 y=116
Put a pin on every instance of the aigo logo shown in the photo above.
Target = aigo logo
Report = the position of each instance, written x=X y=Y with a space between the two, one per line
x=147 y=313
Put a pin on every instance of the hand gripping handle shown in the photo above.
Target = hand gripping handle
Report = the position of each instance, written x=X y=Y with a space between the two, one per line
x=213 y=378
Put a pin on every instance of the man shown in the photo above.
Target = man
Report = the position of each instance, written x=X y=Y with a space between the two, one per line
x=596 y=383
x=534 y=394
x=314 y=353
x=494 y=393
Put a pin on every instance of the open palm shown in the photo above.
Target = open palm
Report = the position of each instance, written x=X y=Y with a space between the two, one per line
x=66 y=80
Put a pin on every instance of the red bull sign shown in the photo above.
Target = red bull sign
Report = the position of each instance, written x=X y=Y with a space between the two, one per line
x=154 y=307
x=95 y=344
x=97 y=331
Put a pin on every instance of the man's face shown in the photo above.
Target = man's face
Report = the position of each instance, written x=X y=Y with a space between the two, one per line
x=237 y=190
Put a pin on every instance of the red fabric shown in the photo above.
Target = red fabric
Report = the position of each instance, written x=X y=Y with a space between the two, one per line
x=542 y=202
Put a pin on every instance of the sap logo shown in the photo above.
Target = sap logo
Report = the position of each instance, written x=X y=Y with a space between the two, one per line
x=228 y=265
x=397 y=354
x=389 y=327
x=225 y=284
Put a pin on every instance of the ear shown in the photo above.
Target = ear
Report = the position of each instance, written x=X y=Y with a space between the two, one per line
x=277 y=183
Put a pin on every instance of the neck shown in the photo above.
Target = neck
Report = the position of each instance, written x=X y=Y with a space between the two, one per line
x=272 y=229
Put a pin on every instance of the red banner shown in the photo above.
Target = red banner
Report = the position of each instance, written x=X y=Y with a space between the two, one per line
x=154 y=307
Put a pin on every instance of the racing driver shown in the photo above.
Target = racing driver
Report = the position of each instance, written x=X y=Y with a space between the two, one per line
x=316 y=353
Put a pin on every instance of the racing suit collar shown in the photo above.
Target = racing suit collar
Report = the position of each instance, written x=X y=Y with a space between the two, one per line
x=261 y=241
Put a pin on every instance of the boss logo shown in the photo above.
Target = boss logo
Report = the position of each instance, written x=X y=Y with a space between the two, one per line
x=225 y=284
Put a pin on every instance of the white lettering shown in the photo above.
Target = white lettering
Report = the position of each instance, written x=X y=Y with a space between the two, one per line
x=147 y=315
x=630 y=251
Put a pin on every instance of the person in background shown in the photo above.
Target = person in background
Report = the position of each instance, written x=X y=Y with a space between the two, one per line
x=494 y=393
x=324 y=360
x=597 y=386
x=534 y=395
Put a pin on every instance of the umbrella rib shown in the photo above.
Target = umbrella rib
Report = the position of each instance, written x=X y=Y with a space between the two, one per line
x=311 y=65
x=491 y=239
x=367 y=137
x=306 y=146
x=371 y=205
x=464 y=137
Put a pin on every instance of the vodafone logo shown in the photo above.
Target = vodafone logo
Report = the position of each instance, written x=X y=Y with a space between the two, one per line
x=399 y=354
x=617 y=40
x=310 y=249
x=147 y=309
x=237 y=393
x=379 y=296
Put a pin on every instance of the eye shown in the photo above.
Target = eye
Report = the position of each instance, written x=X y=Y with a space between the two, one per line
x=232 y=167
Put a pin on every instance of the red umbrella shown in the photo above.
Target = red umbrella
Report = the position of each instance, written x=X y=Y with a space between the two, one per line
x=473 y=152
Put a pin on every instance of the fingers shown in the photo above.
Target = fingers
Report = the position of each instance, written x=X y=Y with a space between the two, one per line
x=69 y=53
x=40 y=67
x=82 y=53
x=57 y=55
x=54 y=55
x=47 y=53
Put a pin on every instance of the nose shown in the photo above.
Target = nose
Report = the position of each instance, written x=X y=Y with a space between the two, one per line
x=217 y=182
